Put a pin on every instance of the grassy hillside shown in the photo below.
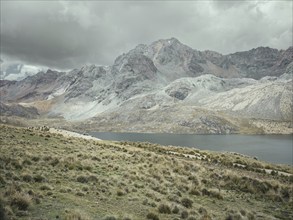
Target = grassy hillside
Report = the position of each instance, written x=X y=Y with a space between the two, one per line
x=213 y=124
x=48 y=176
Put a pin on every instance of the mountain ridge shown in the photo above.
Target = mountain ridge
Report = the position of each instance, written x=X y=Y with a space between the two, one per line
x=165 y=73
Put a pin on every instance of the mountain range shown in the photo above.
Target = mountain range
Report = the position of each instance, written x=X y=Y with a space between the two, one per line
x=163 y=87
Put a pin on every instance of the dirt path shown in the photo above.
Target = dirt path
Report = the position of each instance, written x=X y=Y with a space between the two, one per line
x=66 y=133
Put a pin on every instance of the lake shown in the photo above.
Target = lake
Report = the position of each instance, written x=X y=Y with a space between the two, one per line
x=272 y=148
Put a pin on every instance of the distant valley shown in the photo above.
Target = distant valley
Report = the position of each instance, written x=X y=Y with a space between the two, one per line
x=164 y=87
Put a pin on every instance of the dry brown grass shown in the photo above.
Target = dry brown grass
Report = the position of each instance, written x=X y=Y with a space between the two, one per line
x=51 y=173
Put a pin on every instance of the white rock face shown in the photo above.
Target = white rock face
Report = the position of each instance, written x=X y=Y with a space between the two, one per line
x=264 y=100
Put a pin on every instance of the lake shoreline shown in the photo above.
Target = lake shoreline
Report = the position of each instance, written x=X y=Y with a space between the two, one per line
x=261 y=146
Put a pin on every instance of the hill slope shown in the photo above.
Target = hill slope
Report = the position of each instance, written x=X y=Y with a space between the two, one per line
x=48 y=176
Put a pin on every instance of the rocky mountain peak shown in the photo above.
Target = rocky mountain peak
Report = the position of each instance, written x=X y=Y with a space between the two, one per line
x=162 y=73
x=170 y=41
x=266 y=53
x=88 y=68
x=141 y=48
x=286 y=58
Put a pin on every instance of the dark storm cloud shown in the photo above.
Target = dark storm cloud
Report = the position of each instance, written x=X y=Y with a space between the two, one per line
x=65 y=35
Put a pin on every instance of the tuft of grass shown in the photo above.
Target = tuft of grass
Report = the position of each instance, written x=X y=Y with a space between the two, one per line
x=186 y=202
x=54 y=162
x=75 y=215
x=202 y=210
x=39 y=178
x=110 y=218
x=175 y=210
x=80 y=193
x=184 y=214
x=120 y=193
x=152 y=216
x=27 y=178
x=21 y=201
x=82 y=179
x=2 y=180
x=164 y=208
x=45 y=187
x=3 y=215
x=194 y=192
x=233 y=216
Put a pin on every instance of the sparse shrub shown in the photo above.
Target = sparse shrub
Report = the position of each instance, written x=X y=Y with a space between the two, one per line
x=85 y=189
x=65 y=190
x=163 y=208
x=21 y=201
x=285 y=192
x=194 y=192
x=186 y=202
x=35 y=158
x=39 y=178
x=205 y=192
x=12 y=189
x=120 y=193
x=145 y=202
x=88 y=167
x=31 y=192
x=110 y=218
x=173 y=198
x=92 y=178
x=234 y=216
x=152 y=216
x=275 y=198
x=27 y=178
x=194 y=180
x=27 y=162
x=47 y=158
x=205 y=181
x=202 y=210
x=96 y=158
x=82 y=179
x=45 y=187
x=54 y=162
x=291 y=179
x=243 y=212
x=250 y=216
x=80 y=194
x=75 y=215
x=184 y=214
x=2 y=210
x=16 y=164
x=37 y=200
x=175 y=210
x=2 y=180
x=216 y=194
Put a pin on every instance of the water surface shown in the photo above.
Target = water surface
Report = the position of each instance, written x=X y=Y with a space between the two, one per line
x=271 y=148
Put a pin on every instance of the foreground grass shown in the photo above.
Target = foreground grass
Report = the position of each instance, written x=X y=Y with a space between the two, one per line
x=48 y=176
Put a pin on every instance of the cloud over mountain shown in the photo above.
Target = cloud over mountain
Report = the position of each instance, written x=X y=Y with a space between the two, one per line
x=66 y=35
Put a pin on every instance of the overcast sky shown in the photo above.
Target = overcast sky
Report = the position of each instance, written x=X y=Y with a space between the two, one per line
x=66 y=35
